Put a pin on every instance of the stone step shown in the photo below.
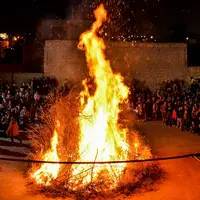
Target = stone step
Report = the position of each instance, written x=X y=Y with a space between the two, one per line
x=6 y=152
x=9 y=156
x=22 y=150
x=16 y=149
x=16 y=141
x=21 y=131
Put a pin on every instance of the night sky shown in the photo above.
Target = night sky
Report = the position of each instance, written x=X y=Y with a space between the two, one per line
x=133 y=16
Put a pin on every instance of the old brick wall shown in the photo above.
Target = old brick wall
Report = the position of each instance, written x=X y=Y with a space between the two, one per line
x=152 y=63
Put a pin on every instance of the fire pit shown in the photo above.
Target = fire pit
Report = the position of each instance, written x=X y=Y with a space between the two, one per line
x=87 y=128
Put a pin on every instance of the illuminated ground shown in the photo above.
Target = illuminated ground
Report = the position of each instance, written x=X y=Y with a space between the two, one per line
x=182 y=180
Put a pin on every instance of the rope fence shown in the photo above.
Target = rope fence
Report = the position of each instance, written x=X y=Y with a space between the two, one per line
x=194 y=155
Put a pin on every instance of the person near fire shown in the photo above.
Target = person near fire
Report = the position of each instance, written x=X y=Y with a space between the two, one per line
x=13 y=130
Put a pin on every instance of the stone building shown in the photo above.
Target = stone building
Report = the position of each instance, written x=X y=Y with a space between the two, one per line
x=149 y=62
x=61 y=29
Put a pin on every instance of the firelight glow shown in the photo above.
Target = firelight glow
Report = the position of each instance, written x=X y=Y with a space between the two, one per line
x=49 y=172
x=101 y=139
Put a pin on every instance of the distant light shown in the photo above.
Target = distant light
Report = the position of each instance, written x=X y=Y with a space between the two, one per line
x=151 y=37
x=15 y=38
x=187 y=38
x=4 y=36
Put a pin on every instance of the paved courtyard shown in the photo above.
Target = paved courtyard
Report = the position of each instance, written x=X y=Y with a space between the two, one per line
x=182 y=181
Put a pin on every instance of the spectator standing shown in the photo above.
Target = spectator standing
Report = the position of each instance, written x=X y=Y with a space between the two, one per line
x=193 y=120
x=168 y=118
x=5 y=121
x=36 y=97
x=174 y=118
x=24 y=117
x=32 y=113
x=179 y=117
x=185 y=118
x=163 y=111
x=13 y=130
x=148 y=109
x=140 y=110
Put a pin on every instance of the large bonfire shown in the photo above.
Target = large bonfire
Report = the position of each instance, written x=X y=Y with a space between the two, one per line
x=94 y=133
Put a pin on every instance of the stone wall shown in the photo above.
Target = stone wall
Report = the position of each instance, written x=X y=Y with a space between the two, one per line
x=194 y=71
x=149 y=62
x=18 y=78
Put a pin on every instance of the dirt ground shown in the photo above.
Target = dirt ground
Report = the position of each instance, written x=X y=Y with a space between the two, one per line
x=182 y=181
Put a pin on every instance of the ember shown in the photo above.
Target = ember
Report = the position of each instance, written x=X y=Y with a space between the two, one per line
x=100 y=136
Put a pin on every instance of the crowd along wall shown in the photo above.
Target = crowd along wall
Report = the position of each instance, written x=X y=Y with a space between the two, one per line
x=149 y=62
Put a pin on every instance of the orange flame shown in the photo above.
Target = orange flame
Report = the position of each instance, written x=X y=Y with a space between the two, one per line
x=101 y=139
x=49 y=172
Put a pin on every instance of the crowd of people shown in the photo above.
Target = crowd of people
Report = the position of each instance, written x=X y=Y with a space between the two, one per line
x=175 y=103
x=25 y=103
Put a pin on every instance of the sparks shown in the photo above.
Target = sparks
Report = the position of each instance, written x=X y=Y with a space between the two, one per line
x=101 y=138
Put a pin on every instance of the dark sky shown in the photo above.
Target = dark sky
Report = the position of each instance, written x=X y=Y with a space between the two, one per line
x=23 y=15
